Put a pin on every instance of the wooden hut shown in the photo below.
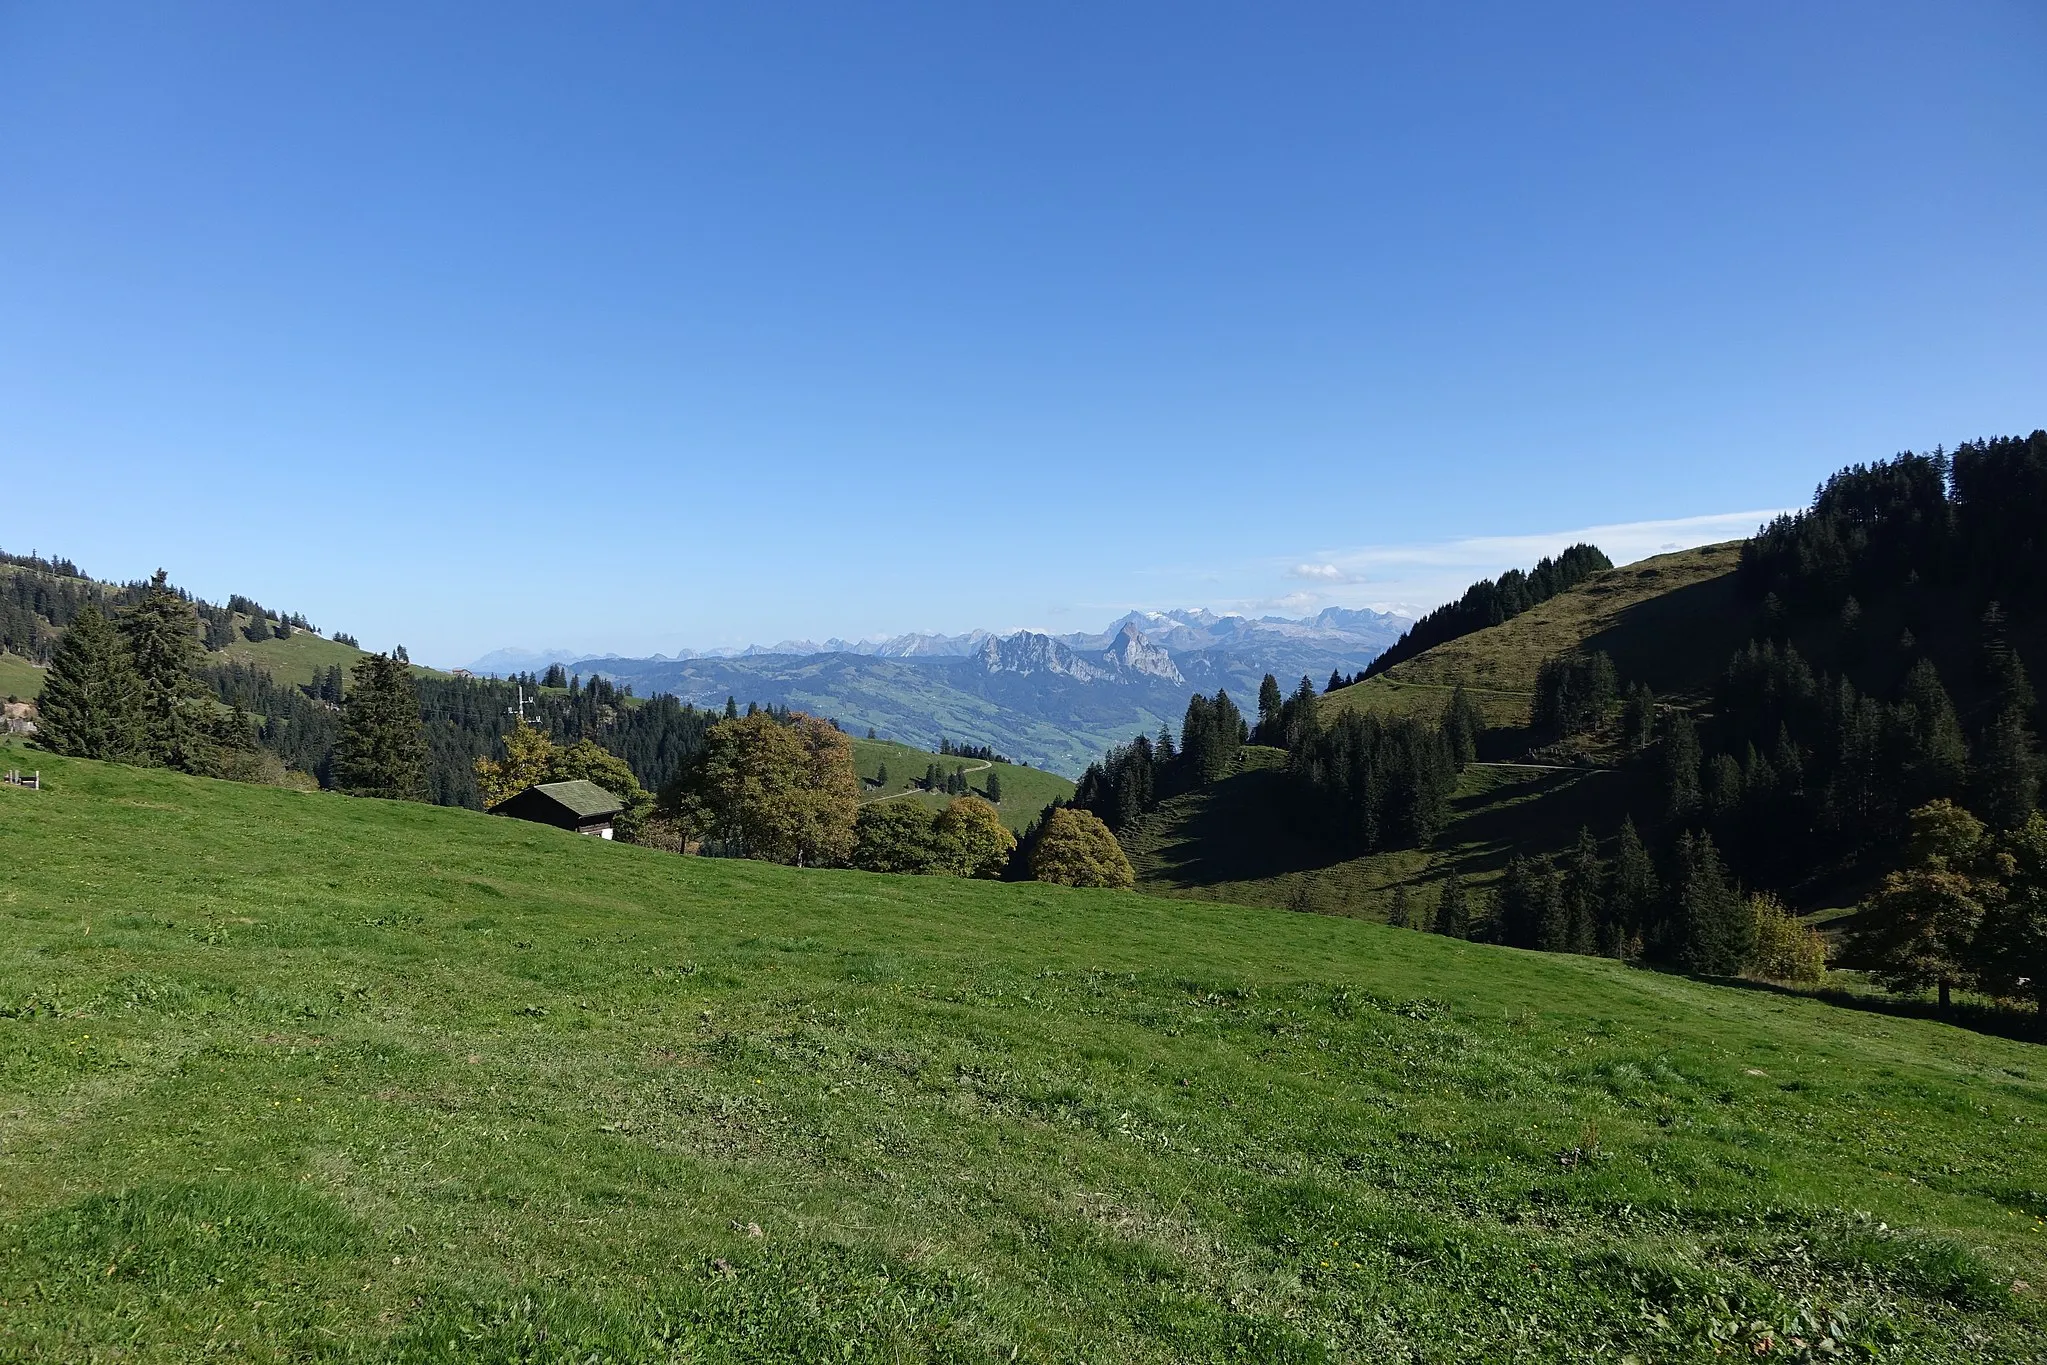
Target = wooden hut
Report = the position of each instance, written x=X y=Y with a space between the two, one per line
x=581 y=806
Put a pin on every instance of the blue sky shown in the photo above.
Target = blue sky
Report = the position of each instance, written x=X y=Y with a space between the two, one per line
x=648 y=326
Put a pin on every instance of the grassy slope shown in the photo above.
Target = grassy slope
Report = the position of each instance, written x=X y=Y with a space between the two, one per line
x=1668 y=621
x=1238 y=841
x=287 y=1075
x=1025 y=791
x=19 y=677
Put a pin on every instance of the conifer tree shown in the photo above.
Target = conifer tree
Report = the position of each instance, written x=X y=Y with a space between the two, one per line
x=732 y=709
x=91 y=704
x=1680 y=769
x=163 y=640
x=994 y=787
x=1299 y=719
x=2007 y=780
x=1716 y=930
x=1638 y=717
x=258 y=629
x=1335 y=681
x=1631 y=902
x=1462 y=725
x=1270 y=702
x=1400 y=914
x=1453 y=915
x=382 y=747
x=1584 y=894
x=881 y=777
x=1933 y=756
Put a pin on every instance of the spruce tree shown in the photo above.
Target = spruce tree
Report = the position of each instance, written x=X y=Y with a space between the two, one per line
x=1632 y=898
x=2007 y=782
x=1933 y=755
x=1453 y=916
x=91 y=705
x=732 y=709
x=1680 y=769
x=382 y=748
x=1584 y=894
x=994 y=787
x=1462 y=725
x=1335 y=681
x=881 y=777
x=1716 y=930
x=1400 y=914
x=163 y=640
x=258 y=629
x=1270 y=702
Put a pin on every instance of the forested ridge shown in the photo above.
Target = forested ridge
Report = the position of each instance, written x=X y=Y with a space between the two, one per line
x=1870 y=742
x=300 y=724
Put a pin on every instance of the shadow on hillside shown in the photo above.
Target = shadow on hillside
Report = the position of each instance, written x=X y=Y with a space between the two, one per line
x=1246 y=829
x=1542 y=814
x=1679 y=641
x=2015 y=1025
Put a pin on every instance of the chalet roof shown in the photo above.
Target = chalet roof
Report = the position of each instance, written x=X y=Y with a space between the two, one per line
x=584 y=799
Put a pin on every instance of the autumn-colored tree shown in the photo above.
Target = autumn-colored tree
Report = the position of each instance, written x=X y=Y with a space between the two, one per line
x=1077 y=849
x=972 y=840
x=779 y=791
x=1784 y=950
x=528 y=754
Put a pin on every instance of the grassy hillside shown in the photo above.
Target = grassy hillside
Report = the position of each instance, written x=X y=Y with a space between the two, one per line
x=1670 y=621
x=19 y=677
x=291 y=1076
x=1667 y=621
x=1025 y=791
x=1240 y=840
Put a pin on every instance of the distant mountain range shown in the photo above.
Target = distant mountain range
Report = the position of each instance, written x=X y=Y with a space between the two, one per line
x=1056 y=701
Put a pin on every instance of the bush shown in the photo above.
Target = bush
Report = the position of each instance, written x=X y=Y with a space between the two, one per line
x=1076 y=849
x=972 y=841
x=1785 y=950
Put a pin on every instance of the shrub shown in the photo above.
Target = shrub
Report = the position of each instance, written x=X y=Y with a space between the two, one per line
x=1076 y=849
x=1785 y=950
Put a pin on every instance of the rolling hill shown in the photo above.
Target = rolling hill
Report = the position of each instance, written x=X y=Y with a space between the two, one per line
x=290 y=1075
x=1025 y=791
x=1670 y=620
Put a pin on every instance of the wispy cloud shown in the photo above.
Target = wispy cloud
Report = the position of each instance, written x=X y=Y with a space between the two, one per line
x=1417 y=577
x=1322 y=573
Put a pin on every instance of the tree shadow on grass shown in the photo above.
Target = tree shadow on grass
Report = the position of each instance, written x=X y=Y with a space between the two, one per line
x=2019 y=1026
x=1249 y=828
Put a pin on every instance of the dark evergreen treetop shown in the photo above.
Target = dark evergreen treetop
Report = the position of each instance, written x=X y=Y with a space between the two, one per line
x=381 y=749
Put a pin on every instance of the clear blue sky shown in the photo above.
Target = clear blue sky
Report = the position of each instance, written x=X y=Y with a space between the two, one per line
x=641 y=326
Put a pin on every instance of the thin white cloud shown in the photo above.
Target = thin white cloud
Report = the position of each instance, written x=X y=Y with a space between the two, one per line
x=1405 y=577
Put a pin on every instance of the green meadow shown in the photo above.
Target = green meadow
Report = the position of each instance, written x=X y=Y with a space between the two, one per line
x=1025 y=791
x=291 y=1076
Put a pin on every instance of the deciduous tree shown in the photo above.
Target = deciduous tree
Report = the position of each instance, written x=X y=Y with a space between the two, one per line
x=1076 y=849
